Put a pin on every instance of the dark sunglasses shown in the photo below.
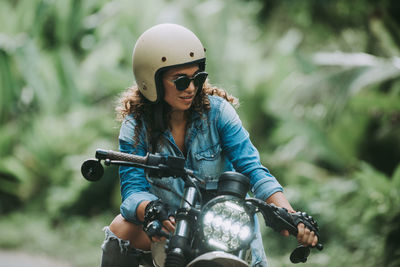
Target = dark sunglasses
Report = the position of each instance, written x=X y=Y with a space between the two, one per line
x=183 y=82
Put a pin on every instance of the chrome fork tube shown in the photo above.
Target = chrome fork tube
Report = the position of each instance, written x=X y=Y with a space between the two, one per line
x=183 y=226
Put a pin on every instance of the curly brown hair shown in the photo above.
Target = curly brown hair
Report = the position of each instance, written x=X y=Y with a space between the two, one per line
x=133 y=102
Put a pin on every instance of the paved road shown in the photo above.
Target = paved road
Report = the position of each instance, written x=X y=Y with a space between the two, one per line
x=23 y=259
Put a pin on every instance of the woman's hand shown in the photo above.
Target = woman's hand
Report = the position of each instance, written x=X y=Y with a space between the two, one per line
x=304 y=236
x=168 y=227
x=157 y=223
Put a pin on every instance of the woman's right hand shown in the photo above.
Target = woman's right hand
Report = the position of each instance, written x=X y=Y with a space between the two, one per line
x=168 y=227
x=150 y=211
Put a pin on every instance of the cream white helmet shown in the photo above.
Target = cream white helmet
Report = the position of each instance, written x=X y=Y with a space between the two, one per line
x=161 y=47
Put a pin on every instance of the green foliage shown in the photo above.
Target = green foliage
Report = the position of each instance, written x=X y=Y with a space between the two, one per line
x=318 y=82
x=76 y=241
x=329 y=130
x=52 y=114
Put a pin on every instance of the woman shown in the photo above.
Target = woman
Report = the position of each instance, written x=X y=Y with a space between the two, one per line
x=173 y=110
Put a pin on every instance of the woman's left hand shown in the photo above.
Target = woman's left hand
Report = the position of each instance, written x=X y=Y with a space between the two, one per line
x=305 y=236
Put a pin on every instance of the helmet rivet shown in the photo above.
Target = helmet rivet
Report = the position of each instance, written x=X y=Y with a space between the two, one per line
x=191 y=54
x=144 y=86
x=164 y=59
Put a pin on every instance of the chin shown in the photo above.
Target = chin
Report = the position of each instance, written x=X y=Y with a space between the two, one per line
x=185 y=108
x=181 y=108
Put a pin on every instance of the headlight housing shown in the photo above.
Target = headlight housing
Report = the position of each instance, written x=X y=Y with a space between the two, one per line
x=227 y=224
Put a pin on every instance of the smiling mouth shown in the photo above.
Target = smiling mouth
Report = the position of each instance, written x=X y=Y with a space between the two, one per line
x=186 y=97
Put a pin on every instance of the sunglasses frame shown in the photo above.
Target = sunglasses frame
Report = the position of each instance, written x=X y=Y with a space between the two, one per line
x=189 y=80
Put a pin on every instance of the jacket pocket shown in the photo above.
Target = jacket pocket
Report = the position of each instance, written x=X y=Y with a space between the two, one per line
x=211 y=153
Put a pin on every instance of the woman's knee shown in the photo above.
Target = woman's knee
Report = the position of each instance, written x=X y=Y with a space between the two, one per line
x=128 y=231
x=123 y=229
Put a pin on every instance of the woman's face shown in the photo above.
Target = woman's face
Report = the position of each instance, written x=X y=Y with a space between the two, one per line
x=179 y=100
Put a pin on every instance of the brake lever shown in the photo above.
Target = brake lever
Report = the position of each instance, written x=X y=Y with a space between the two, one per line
x=280 y=219
x=275 y=217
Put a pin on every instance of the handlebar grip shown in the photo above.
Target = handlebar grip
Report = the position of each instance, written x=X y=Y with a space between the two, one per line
x=114 y=155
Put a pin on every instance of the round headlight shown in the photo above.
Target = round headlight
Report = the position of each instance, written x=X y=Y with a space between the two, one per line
x=227 y=224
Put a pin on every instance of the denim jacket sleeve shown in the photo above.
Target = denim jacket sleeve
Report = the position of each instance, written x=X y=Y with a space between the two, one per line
x=134 y=186
x=242 y=153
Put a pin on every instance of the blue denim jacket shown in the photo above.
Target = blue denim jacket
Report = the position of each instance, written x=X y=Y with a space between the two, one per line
x=215 y=142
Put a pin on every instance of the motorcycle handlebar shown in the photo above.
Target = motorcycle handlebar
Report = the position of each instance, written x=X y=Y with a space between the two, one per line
x=159 y=165
x=275 y=217
x=113 y=155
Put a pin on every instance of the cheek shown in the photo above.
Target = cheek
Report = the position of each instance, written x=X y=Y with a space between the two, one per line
x=169 y=93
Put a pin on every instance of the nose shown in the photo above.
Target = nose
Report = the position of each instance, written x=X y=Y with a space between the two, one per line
x=191 y=87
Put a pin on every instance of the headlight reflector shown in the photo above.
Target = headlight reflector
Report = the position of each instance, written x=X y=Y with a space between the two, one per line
x=227 y=224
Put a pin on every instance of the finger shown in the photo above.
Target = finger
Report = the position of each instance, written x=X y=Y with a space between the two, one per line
x=164 y=231
x=158 y=239
x=169 y=226
x=285 y=232
x=300 y=230
x=315 y=241
x=155 y=239
x=310 y=238
x=305 y=237
x=172 y=219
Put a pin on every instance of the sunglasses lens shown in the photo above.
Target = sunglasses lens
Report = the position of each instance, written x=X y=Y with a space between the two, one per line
x=182 y=83
x=200 y=78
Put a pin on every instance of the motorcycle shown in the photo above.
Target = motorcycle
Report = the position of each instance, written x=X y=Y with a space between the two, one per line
x=215 y=220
